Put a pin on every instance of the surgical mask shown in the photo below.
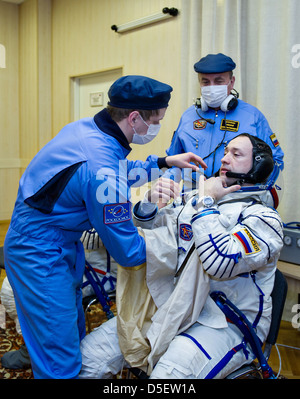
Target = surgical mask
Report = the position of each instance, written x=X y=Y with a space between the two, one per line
x=214 y=95
x=152 y=132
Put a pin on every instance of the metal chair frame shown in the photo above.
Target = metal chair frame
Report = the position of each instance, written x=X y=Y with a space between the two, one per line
x=279 y=292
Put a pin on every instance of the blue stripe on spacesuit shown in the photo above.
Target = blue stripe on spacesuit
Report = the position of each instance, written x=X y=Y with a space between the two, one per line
x=225 y=268
x=219 y=243
x=224 y=238
x=234 y=257
x=261 y=301
x=264 y=221
x=197 y=343
x=208 y=241
x=204 y=213
x=225 y=360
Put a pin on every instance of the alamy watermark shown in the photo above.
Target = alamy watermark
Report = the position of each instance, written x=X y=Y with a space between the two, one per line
x=115 y=184
x=296 y=58
x=296 y=317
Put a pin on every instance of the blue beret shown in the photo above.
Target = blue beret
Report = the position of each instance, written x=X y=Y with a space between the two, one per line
x=139 y=92
x=214 y=63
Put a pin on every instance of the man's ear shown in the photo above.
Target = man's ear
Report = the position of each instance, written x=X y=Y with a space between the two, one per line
x=232 y=82
x=132 y=117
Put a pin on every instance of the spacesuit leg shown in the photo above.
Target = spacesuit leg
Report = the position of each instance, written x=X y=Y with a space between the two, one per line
x=101 y=354
x=194 y=355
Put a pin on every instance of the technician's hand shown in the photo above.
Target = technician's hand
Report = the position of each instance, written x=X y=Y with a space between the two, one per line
x=162 y=191
x=184 y=161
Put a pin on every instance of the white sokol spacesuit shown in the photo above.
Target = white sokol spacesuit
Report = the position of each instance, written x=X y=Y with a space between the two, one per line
x=237 y=245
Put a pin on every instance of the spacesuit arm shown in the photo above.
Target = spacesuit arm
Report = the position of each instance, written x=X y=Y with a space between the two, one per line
x=225 y=251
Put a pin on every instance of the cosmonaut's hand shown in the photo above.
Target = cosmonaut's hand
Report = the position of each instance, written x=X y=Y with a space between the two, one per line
x=162 y=191
x=215 y=187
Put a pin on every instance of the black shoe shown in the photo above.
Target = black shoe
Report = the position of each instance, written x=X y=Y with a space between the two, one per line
x=16 y=359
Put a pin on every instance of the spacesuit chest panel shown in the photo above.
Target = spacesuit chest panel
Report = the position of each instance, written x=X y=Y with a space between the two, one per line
x=185 y=232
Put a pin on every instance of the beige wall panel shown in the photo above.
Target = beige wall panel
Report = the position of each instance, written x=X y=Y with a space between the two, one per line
x=9 y=109
x=8 y=191
x=9 y=83
x=83 y=42
x=28 y=78
x=44 y=72
x=47 y=45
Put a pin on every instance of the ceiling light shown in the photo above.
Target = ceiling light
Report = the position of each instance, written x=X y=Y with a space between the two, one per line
x=166 y=13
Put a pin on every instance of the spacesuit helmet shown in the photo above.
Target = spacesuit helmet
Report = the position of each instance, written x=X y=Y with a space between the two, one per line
x=265 y=174
x=262 y=165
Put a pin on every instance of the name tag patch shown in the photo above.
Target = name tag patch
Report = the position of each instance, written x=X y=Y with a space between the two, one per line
x=116 y=213
x=186 y=232
x=230 y=126
x=249 y=244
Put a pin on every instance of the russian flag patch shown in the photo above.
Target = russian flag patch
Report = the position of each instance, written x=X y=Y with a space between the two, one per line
x=249 y=244
x=274 y=140
x=116 y=213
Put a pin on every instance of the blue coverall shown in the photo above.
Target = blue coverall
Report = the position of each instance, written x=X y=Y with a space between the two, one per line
x=77 y=181
x=208 y=140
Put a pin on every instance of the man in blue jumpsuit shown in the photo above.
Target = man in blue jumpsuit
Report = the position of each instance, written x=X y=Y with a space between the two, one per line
x=216 y=118
x=80 y=179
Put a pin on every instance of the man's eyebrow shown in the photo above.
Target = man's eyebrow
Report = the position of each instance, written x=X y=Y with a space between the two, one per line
x=234 y=149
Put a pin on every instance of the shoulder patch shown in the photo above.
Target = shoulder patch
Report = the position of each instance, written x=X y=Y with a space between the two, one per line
x=199 y=124
x=116 y=213
x=249 y=244
x=186 y=232
x=274 y=140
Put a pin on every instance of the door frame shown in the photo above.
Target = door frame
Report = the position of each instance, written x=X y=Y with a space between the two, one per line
x=75 y=87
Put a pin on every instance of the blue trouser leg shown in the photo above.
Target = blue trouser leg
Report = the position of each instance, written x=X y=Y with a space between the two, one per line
x=46 y=279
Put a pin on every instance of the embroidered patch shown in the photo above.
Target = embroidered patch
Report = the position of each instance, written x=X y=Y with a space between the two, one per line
x=200 y=124
x=116 y=213
x=248 y=242
x=186 y=232
x=274 y=140
x=230 y=126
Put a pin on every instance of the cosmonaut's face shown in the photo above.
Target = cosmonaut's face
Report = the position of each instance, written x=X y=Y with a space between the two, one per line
x=238 y=158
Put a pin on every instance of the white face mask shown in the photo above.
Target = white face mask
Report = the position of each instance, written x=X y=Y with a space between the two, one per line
x=149 y=136
x=214 y=95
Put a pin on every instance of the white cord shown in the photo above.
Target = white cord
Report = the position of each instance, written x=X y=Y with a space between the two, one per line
x=119 y=376
x=285 y=346
x=291 y=347
x=279 y=361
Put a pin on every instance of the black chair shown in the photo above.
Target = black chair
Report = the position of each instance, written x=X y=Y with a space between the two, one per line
x=279 y=293
x=254 y=369
x=2 y=258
